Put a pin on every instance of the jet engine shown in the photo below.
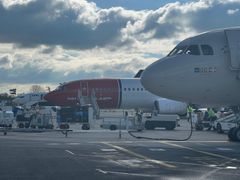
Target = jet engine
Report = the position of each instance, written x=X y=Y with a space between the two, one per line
x=167 y=106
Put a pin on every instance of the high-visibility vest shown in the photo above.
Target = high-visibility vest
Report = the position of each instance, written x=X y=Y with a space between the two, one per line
x=189 y=109
x=211 y=113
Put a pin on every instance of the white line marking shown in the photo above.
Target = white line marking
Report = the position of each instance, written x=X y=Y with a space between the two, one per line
x=101 y=171
x=156 y=149
x=203 y=177
x=231 y=167
x=53 y=144
x=224 y=149
x=126 y=173
x=108 y=150
x=136 y=163
x=140 y=156
x=70 y=152
x=73 y=143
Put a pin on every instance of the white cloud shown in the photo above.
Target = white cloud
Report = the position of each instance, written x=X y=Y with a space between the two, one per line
x=232 y=11
x=9 y=3
x=51 y=41
x=6 y=61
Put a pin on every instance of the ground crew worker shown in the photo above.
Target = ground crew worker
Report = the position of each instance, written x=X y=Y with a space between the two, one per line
x=211 y=117
x=189 y=111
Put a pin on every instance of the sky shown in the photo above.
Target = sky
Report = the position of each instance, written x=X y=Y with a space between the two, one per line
x=47 y=42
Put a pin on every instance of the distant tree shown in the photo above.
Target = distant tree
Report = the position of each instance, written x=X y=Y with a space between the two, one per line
x=5 y=96
x=37 y=88
x=6 y=99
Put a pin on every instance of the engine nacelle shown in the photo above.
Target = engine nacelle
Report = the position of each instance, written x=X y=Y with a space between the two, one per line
x=167 y=106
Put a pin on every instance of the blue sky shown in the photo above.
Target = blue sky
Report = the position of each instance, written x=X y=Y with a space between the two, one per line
x=134 y=4
x=48 y=42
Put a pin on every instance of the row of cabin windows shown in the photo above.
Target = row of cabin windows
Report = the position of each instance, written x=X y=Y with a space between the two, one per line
x=206 y=50
x=113 y=89
x=35 y=94
x=133 y=89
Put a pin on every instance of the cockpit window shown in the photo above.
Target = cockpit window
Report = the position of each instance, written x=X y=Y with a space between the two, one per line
x=177 y=50
x=206 y=49
x=193 y=50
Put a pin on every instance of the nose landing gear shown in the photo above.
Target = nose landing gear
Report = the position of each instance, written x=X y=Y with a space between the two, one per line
x=234 y=133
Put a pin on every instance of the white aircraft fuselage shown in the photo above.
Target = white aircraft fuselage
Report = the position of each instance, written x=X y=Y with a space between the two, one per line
x=203 y=69
x=113 y=94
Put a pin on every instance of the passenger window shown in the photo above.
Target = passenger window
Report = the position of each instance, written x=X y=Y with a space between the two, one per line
x=129 y=89
x=192 y=50
x=206 y=49
x=125 y=89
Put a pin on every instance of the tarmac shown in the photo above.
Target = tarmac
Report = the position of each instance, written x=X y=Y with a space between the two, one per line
x=102 y=154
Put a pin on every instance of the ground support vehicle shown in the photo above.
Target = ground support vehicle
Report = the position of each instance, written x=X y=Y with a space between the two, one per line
x=198 y=121
x=167 y=121
x=35 y=117
x=6 y=118
x=78 y=114
x=224 y=124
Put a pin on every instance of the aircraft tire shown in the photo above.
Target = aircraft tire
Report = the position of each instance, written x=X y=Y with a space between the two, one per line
x=64 y=126
x=113 y=127
x=219 y=128
x=236 y=134
x=199 y=127
x=33 y=126
x=85 y=127
x=21 y=125
x=49 y=126
x=149 y=125
x=67 y=126
x=170 y=127
x=231 y=134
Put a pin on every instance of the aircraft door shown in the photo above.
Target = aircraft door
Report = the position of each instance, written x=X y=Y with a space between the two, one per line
x=233 y=39
x=84 y=88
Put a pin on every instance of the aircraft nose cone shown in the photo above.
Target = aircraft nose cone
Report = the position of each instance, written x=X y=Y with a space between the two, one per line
x=49 y=97
x=154 y=79
x=148 y=79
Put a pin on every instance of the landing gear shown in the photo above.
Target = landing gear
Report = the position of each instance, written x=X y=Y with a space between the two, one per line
x=234 y=134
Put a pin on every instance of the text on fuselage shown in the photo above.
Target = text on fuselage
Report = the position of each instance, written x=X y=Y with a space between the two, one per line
x=205 y=69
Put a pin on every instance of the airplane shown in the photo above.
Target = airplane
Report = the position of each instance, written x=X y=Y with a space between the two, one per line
x=203 y=70
x=113 y=94
x=28 y=99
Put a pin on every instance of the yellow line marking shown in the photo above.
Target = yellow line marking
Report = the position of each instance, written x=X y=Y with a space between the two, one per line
x=140 y=156
x=199 y=151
